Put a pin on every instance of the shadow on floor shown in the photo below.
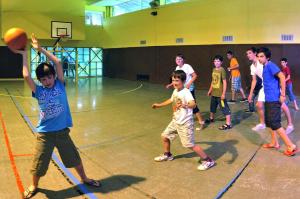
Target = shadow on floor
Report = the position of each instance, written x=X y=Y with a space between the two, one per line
x=110 y=184
x=216 y=150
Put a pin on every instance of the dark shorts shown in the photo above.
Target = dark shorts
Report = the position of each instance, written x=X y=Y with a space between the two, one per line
x=215 y=101
x=196 y=109
x=273 y=115
x=45 y=144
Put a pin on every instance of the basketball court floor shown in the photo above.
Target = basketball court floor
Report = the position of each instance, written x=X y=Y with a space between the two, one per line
x=118 y=135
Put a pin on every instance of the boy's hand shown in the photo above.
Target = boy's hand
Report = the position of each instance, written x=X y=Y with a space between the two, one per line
x=250 y=98
x=282 y=99
x=223 y=96
x=228 y=69
x=35 y=44
x=208 y=93
x=154 y=106
x=168 y=86
x=188 y=85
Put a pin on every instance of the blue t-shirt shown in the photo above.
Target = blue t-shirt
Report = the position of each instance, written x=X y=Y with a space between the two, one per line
x=55 y=113
x=271 y=82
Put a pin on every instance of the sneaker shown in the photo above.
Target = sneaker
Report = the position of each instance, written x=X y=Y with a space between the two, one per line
x=244 y=100
x=206 y=165
x=231 y=101
x=259 y=127
x=163 y=157
x=289 y=129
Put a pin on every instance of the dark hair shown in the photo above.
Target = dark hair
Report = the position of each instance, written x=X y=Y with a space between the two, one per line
x=179 y=74
x=229 y=52
x=180 y=55
x=252 y=49
x=266 y=52
x=284 y=59
x=44 y=69
x=218 y=57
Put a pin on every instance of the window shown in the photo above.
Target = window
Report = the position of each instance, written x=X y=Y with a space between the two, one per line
x=130 y=6
x=173 y=1
x=93 y=18
x=89 y=61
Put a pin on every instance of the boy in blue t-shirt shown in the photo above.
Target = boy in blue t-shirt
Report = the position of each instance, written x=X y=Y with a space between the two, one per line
x=274 y=88
x=55 y=120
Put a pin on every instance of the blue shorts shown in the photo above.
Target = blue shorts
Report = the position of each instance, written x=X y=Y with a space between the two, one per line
x=236 y=84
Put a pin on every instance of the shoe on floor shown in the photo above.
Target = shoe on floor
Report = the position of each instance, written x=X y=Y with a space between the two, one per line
x=289 y=129
x=163 y=157
x=206 y=165
x=231 y=101
x=244 y=100
x=259 y=127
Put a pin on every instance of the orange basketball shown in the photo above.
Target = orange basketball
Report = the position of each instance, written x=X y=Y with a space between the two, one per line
x=15 y=39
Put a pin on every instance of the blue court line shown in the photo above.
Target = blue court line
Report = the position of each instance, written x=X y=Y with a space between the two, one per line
x=66 y=171
x=232 y=181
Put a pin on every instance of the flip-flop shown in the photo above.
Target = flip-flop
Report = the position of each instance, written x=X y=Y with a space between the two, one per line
x=290 y=153
x=29 y=193
x=92 y=183
x=270 y=146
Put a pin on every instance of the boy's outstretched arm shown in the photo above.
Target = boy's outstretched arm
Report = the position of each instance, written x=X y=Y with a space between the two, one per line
x=25 y=70
x=165 y=103
x=50 y=56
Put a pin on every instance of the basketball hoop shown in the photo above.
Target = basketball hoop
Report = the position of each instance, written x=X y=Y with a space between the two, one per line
x=64 y=38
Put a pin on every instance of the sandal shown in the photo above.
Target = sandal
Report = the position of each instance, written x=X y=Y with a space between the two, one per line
x=92 y=183
x=225 y=127
x=290 y=152
x=29 y=193
x=270 y=146
x=209 y=120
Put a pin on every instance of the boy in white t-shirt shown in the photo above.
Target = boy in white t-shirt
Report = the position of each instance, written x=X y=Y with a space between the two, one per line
x=257 y=72
x=182 y=122
x=191 y=77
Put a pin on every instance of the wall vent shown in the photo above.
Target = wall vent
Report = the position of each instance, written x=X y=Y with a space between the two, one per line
x=143 y=42
x=227 y=38
x=287 y=37
x=179 y=40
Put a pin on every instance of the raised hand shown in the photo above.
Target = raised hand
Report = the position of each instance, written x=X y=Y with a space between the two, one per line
x=35 y=44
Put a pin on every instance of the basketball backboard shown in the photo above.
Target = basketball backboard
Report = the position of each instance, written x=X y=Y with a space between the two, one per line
x=59 y=28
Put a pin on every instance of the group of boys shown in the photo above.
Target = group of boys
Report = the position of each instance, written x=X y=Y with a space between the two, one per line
x=268 y=83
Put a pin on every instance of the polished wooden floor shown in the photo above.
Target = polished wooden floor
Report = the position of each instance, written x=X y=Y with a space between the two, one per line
x=118 y=135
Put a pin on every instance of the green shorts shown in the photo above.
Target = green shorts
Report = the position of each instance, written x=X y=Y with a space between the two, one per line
x=45 y=143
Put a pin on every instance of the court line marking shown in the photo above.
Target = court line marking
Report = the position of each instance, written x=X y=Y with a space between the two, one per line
x=11 y=157
x=22 y=155
x=239 y=173
x=55 y=158
x=17 y=96
x=129 y=91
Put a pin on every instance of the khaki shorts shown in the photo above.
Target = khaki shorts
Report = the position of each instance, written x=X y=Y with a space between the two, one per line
x=185 y=132
x=45 y=143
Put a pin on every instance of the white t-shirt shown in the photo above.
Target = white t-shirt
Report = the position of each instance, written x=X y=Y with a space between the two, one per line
x=183 y=114
x=188 y=69
x=257 y=70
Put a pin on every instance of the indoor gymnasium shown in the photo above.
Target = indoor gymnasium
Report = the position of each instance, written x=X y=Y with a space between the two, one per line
x=164 y=99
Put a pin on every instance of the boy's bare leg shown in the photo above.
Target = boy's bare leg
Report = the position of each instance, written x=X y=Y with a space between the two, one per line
x=296 y=105
x=287 y=113
x=285 y=138
x=166 y=144
x=242 y=93
x=260 y=111
x=228 y=119
x=197 y=149
x=274 y=139
x=199 y=118
x=232 y=95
